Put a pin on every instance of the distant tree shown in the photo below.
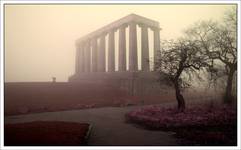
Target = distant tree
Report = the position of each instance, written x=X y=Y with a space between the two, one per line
x=219 y=41
x=179 y=62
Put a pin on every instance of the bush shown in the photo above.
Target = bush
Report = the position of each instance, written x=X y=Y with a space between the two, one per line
x=166 y=118
x=200 y=125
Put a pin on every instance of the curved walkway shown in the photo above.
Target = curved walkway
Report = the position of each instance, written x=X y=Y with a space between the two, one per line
x=108 y=126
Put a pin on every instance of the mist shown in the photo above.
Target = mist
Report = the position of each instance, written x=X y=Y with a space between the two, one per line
x=40 y=39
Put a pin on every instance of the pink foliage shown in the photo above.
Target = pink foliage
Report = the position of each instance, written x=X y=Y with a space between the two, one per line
x=157 y=117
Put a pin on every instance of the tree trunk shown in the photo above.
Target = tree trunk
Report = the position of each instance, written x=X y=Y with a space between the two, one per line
x=228 y=93
x=179 y=97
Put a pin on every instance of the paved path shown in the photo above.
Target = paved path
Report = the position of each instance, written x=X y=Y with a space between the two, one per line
x=109 y=127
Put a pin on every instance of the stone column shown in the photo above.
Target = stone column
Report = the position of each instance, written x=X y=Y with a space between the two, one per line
x=94 y=54
x=101 y=54
x=77 y=59
x=87 y=56
x=122 y=48
x=156 y=42
x=82 y=56
x=133 y=47
x=144 y=48
x=111 y=52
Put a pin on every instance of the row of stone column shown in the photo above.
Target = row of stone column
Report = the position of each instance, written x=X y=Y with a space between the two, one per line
x=90 y=56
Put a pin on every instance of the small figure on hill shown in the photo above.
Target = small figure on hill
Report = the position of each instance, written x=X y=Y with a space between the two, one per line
x=53 y=79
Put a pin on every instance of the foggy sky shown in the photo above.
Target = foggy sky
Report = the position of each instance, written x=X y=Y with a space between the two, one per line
x=40 y=39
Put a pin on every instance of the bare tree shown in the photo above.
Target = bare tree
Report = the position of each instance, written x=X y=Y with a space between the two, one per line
x=179 y=62
x=219 y=41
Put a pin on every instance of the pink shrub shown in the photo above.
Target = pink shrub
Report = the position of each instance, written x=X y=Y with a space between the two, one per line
x=157 y=117
x=199 y=125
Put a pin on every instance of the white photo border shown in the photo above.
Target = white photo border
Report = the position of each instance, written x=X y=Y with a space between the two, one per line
x=92 y=2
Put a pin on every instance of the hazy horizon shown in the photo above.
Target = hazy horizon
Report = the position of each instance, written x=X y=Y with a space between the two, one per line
x=40 y=39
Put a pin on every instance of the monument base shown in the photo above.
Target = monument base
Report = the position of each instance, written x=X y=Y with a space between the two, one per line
x=134 y=83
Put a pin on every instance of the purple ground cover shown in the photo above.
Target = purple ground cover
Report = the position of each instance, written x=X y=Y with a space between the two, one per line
x=202 y=125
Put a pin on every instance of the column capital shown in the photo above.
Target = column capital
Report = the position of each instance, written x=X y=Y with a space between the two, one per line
x=155 y=28
x=132 y=23
x=79 y=44
x=87 y=42
x=93 y=40
x=125 y=25
x=103 y=34
x=142 y=25
x=112 y=31
x=84 y=43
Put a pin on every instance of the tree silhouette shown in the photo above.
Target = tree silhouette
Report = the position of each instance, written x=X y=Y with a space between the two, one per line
x=219 y=41
x=179 y=62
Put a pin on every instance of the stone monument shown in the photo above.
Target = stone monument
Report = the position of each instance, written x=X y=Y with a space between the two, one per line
x=90 y=64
